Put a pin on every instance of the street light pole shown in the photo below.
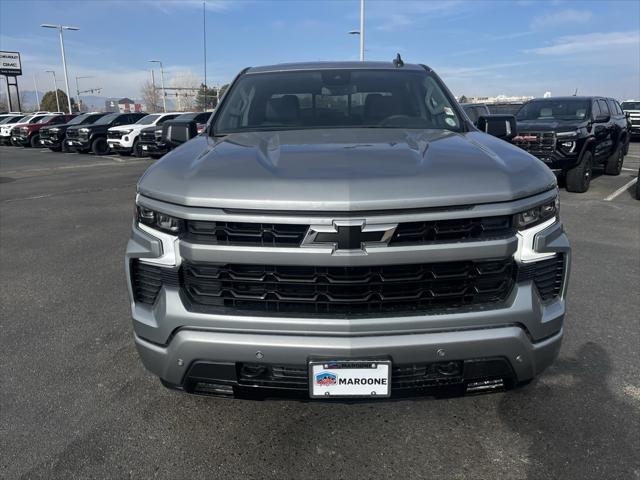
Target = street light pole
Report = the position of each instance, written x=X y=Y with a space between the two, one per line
x=164 y=100
x=60 y=28
x=35 y=84
x=362 y=30
x=55 y=87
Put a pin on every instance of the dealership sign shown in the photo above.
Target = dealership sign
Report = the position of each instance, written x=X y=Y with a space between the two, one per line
x=10 y=64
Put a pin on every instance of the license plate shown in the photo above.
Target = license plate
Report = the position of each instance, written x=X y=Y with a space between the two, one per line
x=352 y=378
x=145 y=147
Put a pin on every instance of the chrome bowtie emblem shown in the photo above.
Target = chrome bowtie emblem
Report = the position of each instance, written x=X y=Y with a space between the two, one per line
x=349 y=235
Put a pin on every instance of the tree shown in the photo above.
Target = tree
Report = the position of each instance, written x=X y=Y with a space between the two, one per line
x=48 y=102
x=222 y=89
x=151 y=97
x=463 y=99
x=188 y=82
x=212 y=98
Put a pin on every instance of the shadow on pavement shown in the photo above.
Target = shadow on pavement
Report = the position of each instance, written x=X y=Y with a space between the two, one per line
x=576 y=426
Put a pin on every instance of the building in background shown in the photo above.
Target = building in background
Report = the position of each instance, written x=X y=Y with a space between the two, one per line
x=499 y=99
x=124 y=105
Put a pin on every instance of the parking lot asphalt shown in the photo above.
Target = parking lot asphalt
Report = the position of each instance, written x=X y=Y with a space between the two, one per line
x=77 y=403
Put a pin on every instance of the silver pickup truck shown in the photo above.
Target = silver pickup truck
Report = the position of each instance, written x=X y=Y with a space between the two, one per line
x=343 y=231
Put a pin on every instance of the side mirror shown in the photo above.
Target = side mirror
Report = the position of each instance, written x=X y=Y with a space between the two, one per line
x=177 y=133
x=501 y=126
x=603 y=118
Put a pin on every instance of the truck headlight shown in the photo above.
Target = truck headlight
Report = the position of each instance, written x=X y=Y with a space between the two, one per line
x=83 y=130
x=537 y=215
x=54 y=130
x=567 y=146
x=160 y=221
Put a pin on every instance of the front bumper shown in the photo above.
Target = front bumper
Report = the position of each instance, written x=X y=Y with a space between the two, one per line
x=77 y=144
x=154 y=148
x=525 y=331
x=119 y=145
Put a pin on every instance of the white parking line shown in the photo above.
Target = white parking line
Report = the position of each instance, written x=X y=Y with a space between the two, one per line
x=630 y=169
x=620 y=190
x=632 y=155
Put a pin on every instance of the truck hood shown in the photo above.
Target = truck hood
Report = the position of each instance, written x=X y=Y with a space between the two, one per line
x=132 y=126
x=550 y=126
x=345 y=170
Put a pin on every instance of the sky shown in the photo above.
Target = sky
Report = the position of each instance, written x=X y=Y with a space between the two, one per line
x=493 y=47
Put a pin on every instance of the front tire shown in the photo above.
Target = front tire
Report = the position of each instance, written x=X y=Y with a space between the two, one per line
x=136 y=150
x=579 y=177
x=34 y=141
x=614 y=163
x=100 y=146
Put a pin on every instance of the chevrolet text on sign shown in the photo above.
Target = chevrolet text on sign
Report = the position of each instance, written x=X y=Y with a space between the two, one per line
x=10 y=63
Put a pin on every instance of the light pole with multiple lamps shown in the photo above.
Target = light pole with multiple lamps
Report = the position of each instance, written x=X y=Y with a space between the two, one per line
x=55 y=87
x=164 y=100
x=78 y=92
x=60 y=28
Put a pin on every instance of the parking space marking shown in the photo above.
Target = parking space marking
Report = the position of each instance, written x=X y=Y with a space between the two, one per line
x=632 y=155
x=621 y=190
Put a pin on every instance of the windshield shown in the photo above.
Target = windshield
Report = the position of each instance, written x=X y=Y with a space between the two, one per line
x=554 y=110
x=36 y=119
x=630 y=105
x=47 y=118
x=13 y=119
x=107 y=119
x=147 y=120
x=78 y=120
x=337 y=99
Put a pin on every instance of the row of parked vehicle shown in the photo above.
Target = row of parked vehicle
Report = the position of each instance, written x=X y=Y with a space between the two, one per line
x=138 y=134
x=571 y=135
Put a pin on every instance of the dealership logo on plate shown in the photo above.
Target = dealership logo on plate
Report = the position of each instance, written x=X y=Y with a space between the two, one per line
x=326 y=378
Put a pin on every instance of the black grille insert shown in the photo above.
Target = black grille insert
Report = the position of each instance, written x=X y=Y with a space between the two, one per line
x=147 y=280
x=237 y=233
x=547 y=275
x=408 y=289
x=72 y=133
x=291 y=235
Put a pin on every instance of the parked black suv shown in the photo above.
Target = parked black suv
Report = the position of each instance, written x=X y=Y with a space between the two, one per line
x=475 y=110
x=573 y=134
x=150 y=142
x=179 y=130
x=53 y=136
x=94 y=137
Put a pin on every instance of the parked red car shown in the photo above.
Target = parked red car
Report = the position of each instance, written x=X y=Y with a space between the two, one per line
x=27 y=134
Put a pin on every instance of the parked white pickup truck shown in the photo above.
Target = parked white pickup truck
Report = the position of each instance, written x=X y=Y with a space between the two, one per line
x=124 y=138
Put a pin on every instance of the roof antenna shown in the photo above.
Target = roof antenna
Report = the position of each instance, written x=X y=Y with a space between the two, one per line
x=575 y=93
x=397 y=62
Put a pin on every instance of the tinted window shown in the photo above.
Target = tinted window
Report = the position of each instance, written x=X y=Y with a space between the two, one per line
x=107 y=119
x=37 y=118
x=603 y=107
x=471 y=113
x=46 y=119
x=617 y=107
x=554 y=109
x=612 y=106
x=202 y=117
x=337 y=98
x=148 y=119
x=166 y=118
x=630 y=105
x=596 y=109
x=13 y=119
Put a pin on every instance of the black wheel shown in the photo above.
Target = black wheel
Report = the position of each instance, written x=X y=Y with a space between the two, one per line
x=100 y=146
x=63 y=148
x=136 y=150
x=55 y=149
x=155 y=156
x=614 y=163
x=579 y=177
x=34 y=141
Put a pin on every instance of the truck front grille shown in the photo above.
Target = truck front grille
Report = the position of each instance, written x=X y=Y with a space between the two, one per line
x=115 y=134
x=536 y=142
x=72 y=133
x=291 y=235
x=147 y=137
x=343 y=291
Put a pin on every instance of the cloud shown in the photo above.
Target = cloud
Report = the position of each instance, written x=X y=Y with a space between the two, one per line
x=394 y=15
x=474 y=72
x=169 y=6
x=561 y=17
x=574 y=44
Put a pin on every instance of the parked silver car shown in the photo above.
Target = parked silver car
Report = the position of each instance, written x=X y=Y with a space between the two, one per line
x=342 y=230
